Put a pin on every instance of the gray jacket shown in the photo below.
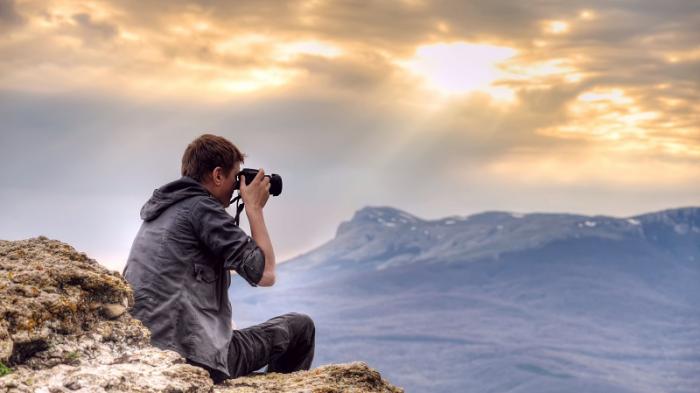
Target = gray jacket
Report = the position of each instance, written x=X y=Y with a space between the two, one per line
x=178 y=268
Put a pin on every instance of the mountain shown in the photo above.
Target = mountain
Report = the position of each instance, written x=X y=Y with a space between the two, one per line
x=501 y=301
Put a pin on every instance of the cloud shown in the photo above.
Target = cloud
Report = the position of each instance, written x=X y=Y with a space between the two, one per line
x=338 y=51
x=94 y=30
x=99 y=99
x=9 y=17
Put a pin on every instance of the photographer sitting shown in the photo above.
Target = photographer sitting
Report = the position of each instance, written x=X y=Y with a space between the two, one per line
x=179 y=269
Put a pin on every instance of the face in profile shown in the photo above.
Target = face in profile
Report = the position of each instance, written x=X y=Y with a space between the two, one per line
x=229 y=184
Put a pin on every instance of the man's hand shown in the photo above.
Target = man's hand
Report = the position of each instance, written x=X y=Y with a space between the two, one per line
x=255 y=194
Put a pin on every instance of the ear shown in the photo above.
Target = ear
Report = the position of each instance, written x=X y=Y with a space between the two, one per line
x=217 y=176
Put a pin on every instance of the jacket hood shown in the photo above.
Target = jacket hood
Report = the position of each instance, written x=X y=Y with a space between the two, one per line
x=169 y=194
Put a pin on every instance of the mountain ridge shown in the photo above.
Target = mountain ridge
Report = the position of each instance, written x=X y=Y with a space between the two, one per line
x=508 y=299
x=394 y=237
x=384 y=211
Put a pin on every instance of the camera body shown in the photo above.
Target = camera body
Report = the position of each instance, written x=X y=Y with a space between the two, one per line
x=250 y=173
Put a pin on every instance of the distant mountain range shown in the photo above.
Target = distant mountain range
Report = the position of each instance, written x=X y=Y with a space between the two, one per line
x=502 y=302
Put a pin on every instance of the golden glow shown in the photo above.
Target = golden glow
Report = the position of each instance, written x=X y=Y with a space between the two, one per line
x=258 y=44
x=201 y=26
x=616 y=96
x=587 y=15
x=613 y=115
x=678 y=56
x=490 y=81
x=537 y=71
x=573 y=77
x=129 y=36
x=595 y=165
x=458 y=68
x=443 y=27
x=556 y=27
x=256 y=80
x=290 y=50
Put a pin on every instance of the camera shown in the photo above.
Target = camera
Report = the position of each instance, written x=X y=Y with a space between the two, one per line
x=250 y=173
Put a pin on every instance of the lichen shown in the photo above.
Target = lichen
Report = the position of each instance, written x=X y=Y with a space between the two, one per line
x=4 y=370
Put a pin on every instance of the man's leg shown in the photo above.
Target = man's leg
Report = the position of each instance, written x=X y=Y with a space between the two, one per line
x=285 y=343
x=297 y=352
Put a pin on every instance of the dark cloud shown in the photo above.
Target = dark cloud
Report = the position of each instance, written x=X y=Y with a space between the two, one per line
x=362 y=72
x=92 y=31
x=9 y=17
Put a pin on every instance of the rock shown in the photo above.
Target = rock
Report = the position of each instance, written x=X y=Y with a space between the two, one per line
x=111 y=311
x=54 y=340
x=46 y=289
x=5 y=340
x=341 y=378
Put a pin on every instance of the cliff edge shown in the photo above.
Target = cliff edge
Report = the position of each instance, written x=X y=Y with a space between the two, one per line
x=65 y=327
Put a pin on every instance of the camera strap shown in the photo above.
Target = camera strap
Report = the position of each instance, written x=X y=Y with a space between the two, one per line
x=239 y=208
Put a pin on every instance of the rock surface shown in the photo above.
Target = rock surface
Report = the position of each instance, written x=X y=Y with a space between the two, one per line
x=64 y=327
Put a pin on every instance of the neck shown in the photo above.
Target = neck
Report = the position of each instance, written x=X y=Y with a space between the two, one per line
x=212 y=191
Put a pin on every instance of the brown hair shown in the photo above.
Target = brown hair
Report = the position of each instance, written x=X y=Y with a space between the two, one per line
x=206 y=153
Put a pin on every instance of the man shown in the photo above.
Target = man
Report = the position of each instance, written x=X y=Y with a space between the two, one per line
x=179 y=269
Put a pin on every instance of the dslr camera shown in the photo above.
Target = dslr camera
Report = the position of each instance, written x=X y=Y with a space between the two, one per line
x=250 y=173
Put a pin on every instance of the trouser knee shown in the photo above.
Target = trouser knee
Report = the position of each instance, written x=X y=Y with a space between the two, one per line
x=304 y=321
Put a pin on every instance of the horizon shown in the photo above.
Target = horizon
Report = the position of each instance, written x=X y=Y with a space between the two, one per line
x=520 y=214
x=435 y=108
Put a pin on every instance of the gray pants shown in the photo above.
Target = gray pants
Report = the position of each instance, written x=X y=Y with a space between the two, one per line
x=284 y=343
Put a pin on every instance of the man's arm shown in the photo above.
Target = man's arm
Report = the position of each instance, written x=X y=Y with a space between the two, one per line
x=255 y=196
x=218 y=231
x=259 y=233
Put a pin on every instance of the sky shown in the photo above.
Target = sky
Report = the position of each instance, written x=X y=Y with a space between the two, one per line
x=438 y=108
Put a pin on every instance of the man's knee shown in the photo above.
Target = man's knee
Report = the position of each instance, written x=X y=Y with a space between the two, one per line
x=304 y=320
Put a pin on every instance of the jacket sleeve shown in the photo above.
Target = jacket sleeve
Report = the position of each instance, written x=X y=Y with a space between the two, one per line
x=218 y=232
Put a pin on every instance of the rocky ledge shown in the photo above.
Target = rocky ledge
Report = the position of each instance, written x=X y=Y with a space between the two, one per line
x=65 y=327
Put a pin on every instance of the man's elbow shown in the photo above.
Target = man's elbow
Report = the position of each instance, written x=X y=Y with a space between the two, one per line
x=267 y=280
